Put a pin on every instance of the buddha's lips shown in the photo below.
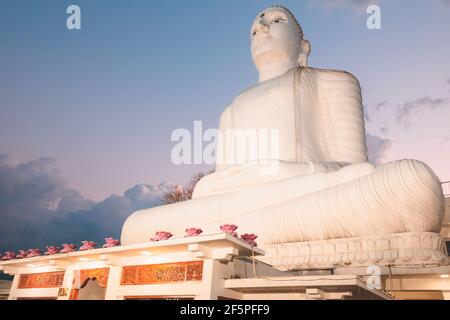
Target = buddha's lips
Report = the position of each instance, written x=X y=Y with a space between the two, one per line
x=262 y=41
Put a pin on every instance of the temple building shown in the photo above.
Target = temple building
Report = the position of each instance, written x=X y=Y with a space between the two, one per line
x=216 y=266
x=316 y=219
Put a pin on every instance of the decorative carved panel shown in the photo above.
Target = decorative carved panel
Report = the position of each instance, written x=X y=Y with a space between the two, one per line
x=41 y=280
x=101 y=274
x=162 y=273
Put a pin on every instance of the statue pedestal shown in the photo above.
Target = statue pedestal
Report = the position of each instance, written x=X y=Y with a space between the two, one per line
x=413 y=248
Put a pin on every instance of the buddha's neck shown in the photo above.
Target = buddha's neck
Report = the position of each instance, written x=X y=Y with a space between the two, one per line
x=274 y=70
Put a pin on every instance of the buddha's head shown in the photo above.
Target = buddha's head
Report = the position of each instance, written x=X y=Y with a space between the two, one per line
x=277 y=40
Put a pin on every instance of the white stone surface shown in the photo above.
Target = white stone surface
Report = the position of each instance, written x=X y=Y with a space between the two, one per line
x=216 y=251
x=324 y=187
x=397 y=249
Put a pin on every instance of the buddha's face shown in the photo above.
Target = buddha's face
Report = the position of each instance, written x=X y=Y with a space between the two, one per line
x=274 y=38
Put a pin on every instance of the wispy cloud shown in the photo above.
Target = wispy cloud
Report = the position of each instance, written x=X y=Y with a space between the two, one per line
x=384 y=129
x=405 y=110
x=377 y=148
x=368 y=110
x=402 y=112
x=380 y=105
x=37 y=208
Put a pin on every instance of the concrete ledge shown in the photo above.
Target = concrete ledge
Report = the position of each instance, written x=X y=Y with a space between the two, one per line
x=403 y=249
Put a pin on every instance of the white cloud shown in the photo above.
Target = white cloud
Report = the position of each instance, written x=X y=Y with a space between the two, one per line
x=37 y=209
x=377 y=148
x=405 y=110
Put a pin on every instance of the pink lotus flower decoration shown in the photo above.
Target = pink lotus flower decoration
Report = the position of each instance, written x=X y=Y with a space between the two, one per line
x=68 y=248
x=161 y=235
x=229 y=228
x=111 y=242
x=193 y=232
x=52 y=250
x=22 y=254
x=34 y=253
x=88 y=245
x=9 y=255
x=249 y=238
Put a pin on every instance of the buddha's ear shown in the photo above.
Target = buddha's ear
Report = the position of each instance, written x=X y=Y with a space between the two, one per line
x=305 y=50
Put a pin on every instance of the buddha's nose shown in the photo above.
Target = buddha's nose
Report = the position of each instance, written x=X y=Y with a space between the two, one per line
x=262 y=25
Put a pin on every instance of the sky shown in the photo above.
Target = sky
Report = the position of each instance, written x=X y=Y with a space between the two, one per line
x=86 y=115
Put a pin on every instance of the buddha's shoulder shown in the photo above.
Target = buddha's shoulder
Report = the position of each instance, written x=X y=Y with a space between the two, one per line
x=332 y=76
x=320 y=77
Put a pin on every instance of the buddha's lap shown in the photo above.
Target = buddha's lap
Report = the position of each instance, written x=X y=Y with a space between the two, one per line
x=250 y=176
x=398 y=197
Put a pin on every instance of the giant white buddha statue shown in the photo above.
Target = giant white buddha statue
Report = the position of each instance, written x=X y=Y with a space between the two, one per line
x=325 y=204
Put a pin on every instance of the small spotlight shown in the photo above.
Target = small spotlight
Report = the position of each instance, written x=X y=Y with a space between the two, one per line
x=146 y=253
x=31 y=265
x=83 y=259
x=444 y=276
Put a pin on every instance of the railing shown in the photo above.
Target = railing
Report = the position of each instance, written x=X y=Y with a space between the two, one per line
x=446 y=188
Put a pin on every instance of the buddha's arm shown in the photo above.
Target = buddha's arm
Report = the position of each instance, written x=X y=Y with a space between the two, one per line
x=222 y=144
x=344 y=124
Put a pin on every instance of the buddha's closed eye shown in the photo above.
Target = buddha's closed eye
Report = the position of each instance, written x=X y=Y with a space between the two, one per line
x=278 y=20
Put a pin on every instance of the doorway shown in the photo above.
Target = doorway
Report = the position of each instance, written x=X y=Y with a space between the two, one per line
x=91 y=290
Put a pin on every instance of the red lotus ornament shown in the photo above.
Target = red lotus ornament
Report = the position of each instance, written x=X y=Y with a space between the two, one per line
x=52 y=250
x=9 y=255
x=111 y=242
x=161 y=235
x=22 y=254
x=249 y=238
x=193 y=232
x=230 y=229
x=88 y=245
x=68 y=247
x=34 y=253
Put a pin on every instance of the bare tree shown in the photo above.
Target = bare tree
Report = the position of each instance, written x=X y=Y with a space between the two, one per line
x=180 y=193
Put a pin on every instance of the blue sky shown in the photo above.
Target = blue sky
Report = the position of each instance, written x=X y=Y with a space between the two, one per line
x=99 y=104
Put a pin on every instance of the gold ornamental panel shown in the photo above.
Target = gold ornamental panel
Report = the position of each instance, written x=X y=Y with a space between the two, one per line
x=162 y=273
x=41 y=280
